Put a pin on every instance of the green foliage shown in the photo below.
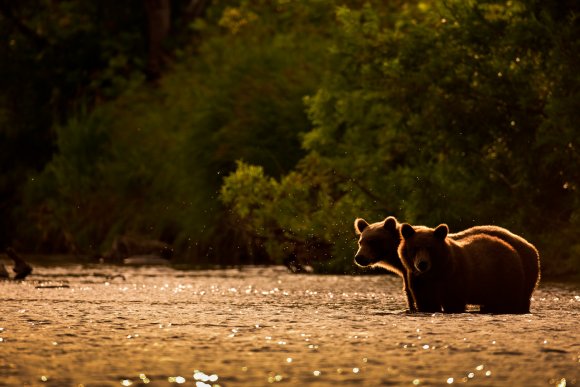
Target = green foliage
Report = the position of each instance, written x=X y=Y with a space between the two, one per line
x=152 y=161
x=456 y=112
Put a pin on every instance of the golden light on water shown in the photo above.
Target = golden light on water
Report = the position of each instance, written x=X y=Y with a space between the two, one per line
x=144 y=379
x=275 y=378
x=271 y=345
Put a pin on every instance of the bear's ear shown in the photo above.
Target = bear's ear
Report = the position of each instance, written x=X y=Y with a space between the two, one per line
x=441 y=231
x=390 y=223
x=359 y=225
x=407 y=231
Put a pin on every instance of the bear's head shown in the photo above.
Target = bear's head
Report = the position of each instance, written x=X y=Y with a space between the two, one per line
x=424 y=250
x=378 y=242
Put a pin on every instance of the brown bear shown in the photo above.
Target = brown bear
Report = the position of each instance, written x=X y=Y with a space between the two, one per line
x=379 y=243
x=447 y=274
x=378 y=246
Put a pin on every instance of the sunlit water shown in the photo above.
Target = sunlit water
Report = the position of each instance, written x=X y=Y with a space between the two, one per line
x=74 y=325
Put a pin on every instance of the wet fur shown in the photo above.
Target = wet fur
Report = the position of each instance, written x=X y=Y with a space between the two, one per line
x=478 y=269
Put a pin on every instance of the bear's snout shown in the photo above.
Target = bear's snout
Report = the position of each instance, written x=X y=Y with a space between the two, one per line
x=362 y=260
x=422 y=262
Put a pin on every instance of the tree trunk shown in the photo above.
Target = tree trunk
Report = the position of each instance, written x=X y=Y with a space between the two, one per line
x=159 y=20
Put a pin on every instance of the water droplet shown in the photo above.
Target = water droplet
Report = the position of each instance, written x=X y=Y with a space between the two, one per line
x=470 y=375
x=316 y=373
x=416 y=382
x=479 y=367
x=44 y=378
x=126 y=382
x=450 y=381
x=289 y=360
x=488 y=373
x=426 y=346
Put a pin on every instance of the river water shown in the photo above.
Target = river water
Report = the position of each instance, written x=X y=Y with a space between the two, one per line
x=120 y=326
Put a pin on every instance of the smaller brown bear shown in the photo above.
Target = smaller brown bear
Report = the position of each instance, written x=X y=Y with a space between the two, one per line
x=449 y=274
x=378 y=246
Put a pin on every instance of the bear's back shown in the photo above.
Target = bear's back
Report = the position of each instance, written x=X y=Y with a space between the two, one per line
x=527 y=252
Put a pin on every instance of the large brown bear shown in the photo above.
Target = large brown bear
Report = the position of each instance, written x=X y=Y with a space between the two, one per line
x=448 y=274
x=379 y=244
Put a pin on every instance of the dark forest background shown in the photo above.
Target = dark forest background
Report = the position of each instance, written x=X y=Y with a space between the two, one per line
x=251 y=131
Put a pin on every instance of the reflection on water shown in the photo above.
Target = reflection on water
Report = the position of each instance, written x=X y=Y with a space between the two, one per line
x=129 y=326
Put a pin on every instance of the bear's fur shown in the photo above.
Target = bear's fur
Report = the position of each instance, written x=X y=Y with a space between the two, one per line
x=448 y=274
x=379 y=243
x=378 y=246
x=529 y=255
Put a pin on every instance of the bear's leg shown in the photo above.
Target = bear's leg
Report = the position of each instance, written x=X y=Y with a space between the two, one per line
x=526 y=305
x=509 y=299
x=425 y=294
x=496 y=309
x=506 y=307
x=407 y=290
x=453 y=299
x=454 y=307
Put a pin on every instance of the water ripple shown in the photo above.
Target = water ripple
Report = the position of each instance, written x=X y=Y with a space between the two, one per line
x=112 y=325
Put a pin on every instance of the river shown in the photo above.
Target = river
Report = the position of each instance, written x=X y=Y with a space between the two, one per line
x=101 y=325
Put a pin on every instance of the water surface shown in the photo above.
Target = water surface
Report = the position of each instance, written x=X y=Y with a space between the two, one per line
x=115 y=326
